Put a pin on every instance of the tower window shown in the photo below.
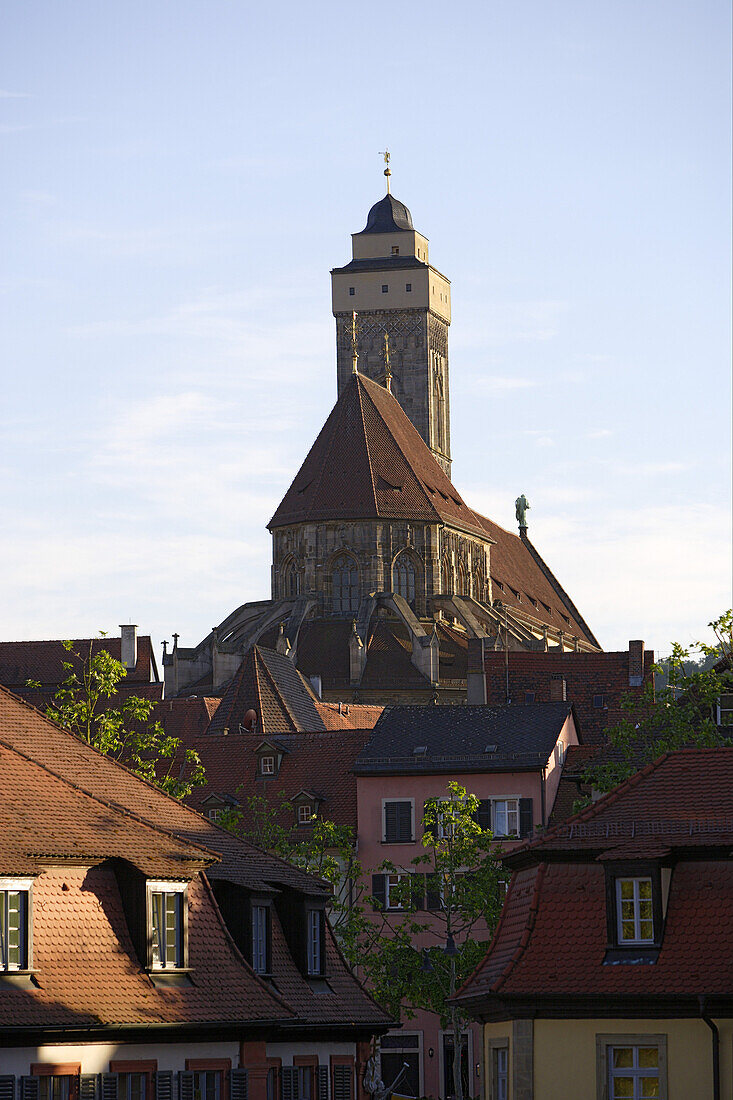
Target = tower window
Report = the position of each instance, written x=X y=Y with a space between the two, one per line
x=408 y=287
x=395 y=250
x=352 y=291
x=385 y=288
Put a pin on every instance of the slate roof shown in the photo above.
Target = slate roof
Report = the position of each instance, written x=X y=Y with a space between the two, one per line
x=370 y=462
x=520 y=736
x=268 y=683
x=389 y=215
x=552 y=937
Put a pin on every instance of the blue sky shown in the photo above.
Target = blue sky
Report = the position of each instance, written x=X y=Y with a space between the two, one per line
x=179 y=178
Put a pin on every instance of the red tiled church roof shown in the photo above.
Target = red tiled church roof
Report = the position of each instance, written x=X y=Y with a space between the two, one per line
x=43 y=661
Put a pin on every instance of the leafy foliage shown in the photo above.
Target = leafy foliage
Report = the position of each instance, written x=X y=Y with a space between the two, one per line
x=126 y=732
x=682 y=714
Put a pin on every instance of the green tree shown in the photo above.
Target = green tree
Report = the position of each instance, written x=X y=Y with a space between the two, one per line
x=681 y=714
x=127 y=732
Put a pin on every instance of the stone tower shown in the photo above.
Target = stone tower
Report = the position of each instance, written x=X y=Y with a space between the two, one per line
x=392 y=287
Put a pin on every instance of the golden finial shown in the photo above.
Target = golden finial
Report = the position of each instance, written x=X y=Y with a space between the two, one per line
x=354 y=348
x=387 y=172
x=387 y=370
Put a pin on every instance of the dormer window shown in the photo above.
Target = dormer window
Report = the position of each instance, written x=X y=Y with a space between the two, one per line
x=261 y=939
x=305 y=813
x=14 y=925
x=267 y=765
x=167 y=925
x=634 y=910
x=395 y=250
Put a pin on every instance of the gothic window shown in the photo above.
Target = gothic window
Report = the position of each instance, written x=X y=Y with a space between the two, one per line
x=290 y=580
x=439 y=418
x=480 y=592
x=345 y=584
x=403 y=577
x=461 y=580
x=446 y=577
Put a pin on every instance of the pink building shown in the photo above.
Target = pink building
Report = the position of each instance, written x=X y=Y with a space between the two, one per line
x=511 y=758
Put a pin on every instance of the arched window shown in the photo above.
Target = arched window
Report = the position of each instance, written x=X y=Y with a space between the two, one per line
x=403 y=577
x=461 y=586
x=479 y=582
x=290 y=580
x=345 y=584
x=446 y=579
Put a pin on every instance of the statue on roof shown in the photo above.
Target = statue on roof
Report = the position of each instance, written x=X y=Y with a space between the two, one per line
x=521 y=506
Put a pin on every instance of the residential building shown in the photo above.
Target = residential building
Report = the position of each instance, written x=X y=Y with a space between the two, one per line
x=610 y=972
x=144 y=952
x=511 y=759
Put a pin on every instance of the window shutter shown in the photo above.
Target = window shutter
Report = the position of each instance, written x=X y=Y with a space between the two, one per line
x=238 y=1084
x=322 y=1083
x=342 y=1076
x=185 y=1085
x=110 y=1085
x=163 y=1084
x=7 y=1086
x=29 y=1088
x=289 y=1083
x=390 y=821
x=379 y=891
x=525 y=817
x=483 y=814
x=432 y=892
x=88 y=1087
x=417 y=891
x=404 y=828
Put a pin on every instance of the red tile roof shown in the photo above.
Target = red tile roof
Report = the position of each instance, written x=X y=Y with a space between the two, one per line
x=370 y=462
x=43 y=661
x=268 y=683
x=348 y=716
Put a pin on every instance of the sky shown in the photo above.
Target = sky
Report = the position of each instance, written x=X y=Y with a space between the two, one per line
x=180 y=177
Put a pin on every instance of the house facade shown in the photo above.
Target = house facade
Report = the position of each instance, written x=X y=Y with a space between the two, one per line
x=145 y=953
x=611 y=969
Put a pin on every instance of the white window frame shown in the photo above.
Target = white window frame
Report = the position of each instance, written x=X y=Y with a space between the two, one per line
x=215 y=814
x=17 y=886
x=164 y=887
x=305 y=813
x=400 y=877
x=412 y=820
x=442 y=833
x=636 y=901
x=604 y=1064
x=505 y=801
x=267 y=764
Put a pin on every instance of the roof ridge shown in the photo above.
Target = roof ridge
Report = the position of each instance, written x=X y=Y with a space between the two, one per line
x=212 y=856
x=528 y=928
x=366 y=438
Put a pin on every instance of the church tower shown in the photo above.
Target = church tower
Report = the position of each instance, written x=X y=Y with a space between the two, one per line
x=394 y=290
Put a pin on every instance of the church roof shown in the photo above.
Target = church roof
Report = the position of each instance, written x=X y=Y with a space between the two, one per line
x=389 y=215
x=370 y=462
x=268 y=683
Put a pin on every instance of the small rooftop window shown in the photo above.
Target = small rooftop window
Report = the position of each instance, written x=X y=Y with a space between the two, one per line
x=352 y=291
x=420 y=750
x=490 y=748
x=385 y=288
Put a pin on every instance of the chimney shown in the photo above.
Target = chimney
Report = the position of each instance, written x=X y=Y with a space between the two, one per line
x=128 y=646
x=636 y=663
x=558 y=690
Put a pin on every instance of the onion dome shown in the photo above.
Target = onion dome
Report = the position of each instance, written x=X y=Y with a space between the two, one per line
x=389 y=215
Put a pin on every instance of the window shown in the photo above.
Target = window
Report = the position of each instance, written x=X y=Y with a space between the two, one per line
x=305 y=813
x=725 y=710
x=395 y=1051
x=132 y=1086
x=267 y=765
x=506 y=817
x=352 y=291
x=214 y=815
x=166 y=901
x=345 y=585
x=631 y=1067
x=295 y=1082
x=500 y=1073
x=560 y=749
x=408 y=287
x=395 y=888
x=290 y=580
x=316 y=945
x=598 y=701
x=385 y=288
x=403 y=577
x=261 y=939
x=634 y=910
x=529 y=696
x=57 y=1086
x=397 y=823
x=207 y=1084
x=14 y=896
x=395 y=250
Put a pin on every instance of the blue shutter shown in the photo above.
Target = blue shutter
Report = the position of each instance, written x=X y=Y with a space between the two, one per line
x=322 y=1083
x=288 y=1083
x=163 y=1084
x=185 y=1085
x=238 y=1084
x=110 y=1085
x=7 y=1086
x=29 y=1088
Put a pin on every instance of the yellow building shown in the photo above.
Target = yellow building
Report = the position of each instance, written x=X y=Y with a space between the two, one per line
x=611 y=971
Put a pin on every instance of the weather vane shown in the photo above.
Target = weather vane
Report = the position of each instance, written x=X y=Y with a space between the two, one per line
x=387 y=172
